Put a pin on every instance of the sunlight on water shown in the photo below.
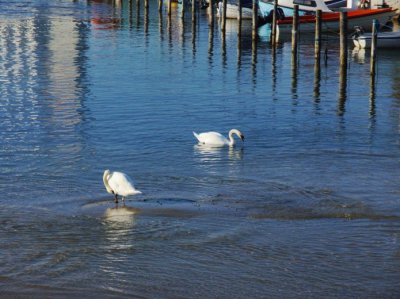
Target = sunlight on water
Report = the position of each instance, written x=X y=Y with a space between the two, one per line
x=307 y=206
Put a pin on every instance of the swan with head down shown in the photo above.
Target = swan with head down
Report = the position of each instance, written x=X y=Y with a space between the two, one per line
x=119 y=183
x=217 y=139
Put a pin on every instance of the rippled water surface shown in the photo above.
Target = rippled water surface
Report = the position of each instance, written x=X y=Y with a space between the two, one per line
x=308 y=206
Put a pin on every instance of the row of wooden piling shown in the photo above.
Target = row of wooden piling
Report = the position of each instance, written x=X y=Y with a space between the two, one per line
x=274 y=38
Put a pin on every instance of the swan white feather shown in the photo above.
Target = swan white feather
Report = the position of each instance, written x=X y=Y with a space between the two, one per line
x=119 y=183
x=217 y=139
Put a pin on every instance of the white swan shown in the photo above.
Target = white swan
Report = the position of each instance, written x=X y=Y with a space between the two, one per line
x=216 y=139
x=119 y=183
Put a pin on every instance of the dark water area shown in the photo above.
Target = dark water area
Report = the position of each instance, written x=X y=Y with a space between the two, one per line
x=308 y=206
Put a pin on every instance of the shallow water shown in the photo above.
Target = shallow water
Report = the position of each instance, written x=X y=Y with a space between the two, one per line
x=308 y=206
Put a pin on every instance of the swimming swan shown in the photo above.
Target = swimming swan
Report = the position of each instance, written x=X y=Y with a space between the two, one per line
x=216 y=139
x=119 y=183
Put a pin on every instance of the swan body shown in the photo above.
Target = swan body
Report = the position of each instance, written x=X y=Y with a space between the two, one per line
x=216 y=139
x=119 y=183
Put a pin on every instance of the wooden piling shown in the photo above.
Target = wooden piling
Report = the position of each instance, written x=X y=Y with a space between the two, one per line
x=239 y=18
x=183 y=9
x=343 y=63
x=373 y=48
x=193 y=12
x=343 y=40
x=211 y=8
x=169 y=8
x=317 y=42
x=146 y=15
x=374 y=36
x=254 y=20
x=160 y=4
x=274 y=20
x=223 y=21
x=210 y=13
x=295 y=31
x=317 y=55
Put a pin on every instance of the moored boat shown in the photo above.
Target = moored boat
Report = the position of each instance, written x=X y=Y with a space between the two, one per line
x=232 y=11
x=384 y=39
x=330 y=20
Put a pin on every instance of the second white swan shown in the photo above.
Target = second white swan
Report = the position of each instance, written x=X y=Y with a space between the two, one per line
x=119 y=183
x=216 y=139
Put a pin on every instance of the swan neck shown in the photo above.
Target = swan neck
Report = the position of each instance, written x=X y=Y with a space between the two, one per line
x=231 y=139
x=105 y=181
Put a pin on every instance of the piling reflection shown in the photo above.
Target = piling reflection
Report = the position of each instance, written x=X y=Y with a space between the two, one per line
x=169 y=31
x=239 y=53
x=342 y=90
x=273 y=69
x=317 y=80
x=210 y=49
x=146 y=17
x=161 y=26
x=182 y=25
x=137 y=14
x=223 y=49
x=254 y=60
x=130 y=14
x=294 y=79
x=372 y=96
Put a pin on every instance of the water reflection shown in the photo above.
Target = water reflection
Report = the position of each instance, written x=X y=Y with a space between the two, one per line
x=45 y=87
x=317 y=80
x=104 y=15
x=254 y=61
x=294 y=78
x=342 y=90
x=120 y=216
x=209 y=153
x=372 y=96
x=358 y=55
x=210 y=43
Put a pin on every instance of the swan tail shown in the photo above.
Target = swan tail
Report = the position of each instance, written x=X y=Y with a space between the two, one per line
x=196 y=135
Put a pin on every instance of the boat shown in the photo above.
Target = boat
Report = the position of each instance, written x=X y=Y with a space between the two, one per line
x=232 y=11
x=330 y=19
x=384 y=39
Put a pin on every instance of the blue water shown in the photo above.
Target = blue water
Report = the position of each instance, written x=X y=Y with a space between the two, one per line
x=307 y=206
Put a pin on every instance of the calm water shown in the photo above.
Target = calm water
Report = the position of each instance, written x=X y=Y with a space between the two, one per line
x=309 y=206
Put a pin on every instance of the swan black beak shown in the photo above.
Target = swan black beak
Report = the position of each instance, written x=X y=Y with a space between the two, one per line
x=242 y=137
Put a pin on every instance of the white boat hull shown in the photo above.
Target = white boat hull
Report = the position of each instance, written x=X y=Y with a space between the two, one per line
x=332 y=25
x=233 y=13
x=384 y=40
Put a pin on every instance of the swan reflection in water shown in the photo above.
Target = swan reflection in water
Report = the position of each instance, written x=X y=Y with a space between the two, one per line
x=120 y=217
x=359 y=55
x=119 y=236
x=211 y=154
